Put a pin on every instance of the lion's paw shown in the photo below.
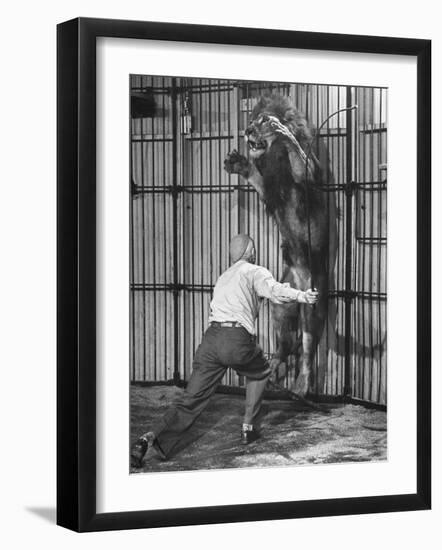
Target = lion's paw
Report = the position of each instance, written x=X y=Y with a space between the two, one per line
x=235 y=163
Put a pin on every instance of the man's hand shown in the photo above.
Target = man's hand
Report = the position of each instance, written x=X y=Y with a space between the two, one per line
x=309 y=297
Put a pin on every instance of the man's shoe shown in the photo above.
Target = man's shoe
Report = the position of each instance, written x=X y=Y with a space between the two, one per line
x=138 y=450
x=249 y=436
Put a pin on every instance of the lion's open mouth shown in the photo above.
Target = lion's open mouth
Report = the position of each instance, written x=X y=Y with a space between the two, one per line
x=256 y=145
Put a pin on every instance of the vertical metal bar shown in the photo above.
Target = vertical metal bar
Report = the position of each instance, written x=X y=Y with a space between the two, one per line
x=192 y=173
x=179 y=342
x=201 y=198
x=356 y=171
x=143 y=252
x=371 y=245
x=175 y=126
x=357 y=251
x=254 y=230
x=210 y=182
x=339 y=155
x=363 y=248
x=247 y=194
x=348 y=242
x=220 y=226
x=165 y=199
x=232 y=91
x=153 y=241
x=132 y=247
x=240 y=94
x=183 y=330
x=355 y=167
x=229 y=150
x=324 y=92
x=338 y=238
x=316 y=358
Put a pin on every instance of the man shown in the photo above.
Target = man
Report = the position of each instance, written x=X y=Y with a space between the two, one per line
x=228 y=342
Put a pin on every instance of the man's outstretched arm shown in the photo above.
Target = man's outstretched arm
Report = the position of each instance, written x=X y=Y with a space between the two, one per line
x=266 y=286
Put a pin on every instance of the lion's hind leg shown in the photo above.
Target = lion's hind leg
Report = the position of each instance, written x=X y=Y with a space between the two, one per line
x=285 y=322
x=312 y=324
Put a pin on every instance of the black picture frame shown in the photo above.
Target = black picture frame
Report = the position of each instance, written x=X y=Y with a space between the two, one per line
x=77 y=287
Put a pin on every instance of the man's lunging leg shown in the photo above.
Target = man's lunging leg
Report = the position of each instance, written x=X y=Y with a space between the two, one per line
x=257 y=372
x=254 y=393
x=166 y=433
x=180 y=417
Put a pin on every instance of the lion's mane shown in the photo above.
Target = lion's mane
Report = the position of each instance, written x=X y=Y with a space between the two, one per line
x=274 y=165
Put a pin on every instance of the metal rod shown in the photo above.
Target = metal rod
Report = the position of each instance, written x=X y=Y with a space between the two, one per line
x=374 y=131
x=143 y=257
x=176 y=369
x=247 y=210
x=342 y=178
x=193 y=269
x=348 y=243
x=316 y=357
x=151 y=189
x=154 y=251
x=184 y=253
x=210 y=155
x=371 y=248
x=220 y=226
x=375 y=296
x=152 y=139
x=357 y=247
x=201 y=206
x=208 y=137
x=165 y=219
x=362 y=252
x=339 y=362
x=179 y=89
x=238 y=125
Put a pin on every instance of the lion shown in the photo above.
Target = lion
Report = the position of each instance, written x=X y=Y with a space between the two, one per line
x=283 y=160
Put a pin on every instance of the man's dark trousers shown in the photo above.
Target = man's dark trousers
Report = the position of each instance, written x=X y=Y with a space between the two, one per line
x=221 y=347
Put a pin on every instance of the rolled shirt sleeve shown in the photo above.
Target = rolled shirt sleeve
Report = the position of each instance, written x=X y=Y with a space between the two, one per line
x=267 y=287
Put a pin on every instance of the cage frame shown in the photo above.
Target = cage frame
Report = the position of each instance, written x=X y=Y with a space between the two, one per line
x=342 y=376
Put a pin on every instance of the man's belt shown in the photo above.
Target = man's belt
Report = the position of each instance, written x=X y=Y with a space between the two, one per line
x=229 y=324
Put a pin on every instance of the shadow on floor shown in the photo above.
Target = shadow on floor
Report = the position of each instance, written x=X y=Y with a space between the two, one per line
x=48 y=514
x=290 y=434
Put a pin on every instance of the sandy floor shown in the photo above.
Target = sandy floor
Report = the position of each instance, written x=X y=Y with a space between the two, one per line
x=290 y=434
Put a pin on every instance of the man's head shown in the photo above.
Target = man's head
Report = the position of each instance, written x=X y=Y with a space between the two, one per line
x=242 y=247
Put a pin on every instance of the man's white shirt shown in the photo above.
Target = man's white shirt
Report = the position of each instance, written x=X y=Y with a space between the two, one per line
x=239 y=291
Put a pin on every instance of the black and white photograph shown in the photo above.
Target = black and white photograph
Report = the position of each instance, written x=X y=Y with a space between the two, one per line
x=258 y=274
x=223 y=323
